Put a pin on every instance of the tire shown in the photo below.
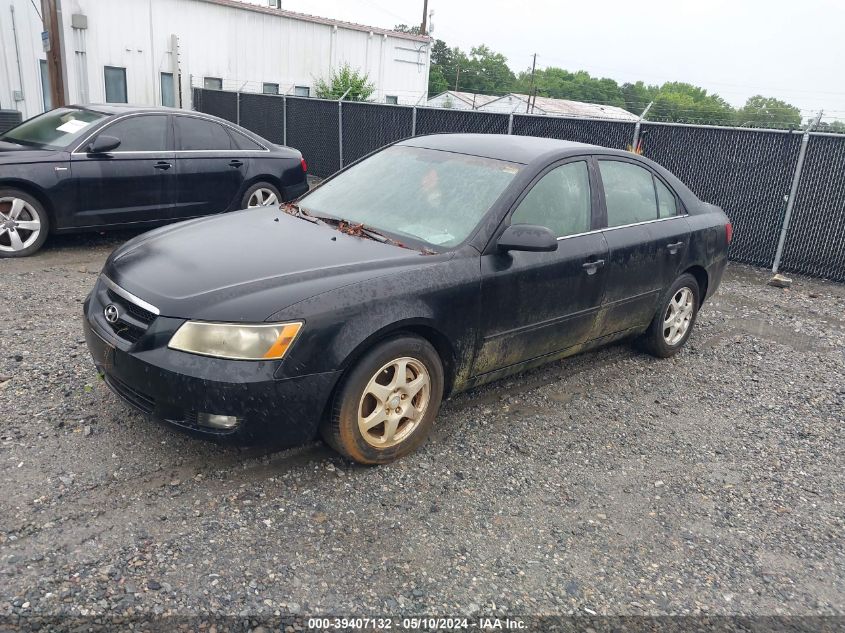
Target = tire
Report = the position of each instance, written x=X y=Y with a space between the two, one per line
x=260 y=190
x=682 y=298
x=15 y=241
x=355 y=400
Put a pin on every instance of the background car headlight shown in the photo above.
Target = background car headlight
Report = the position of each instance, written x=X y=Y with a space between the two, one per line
x=235 y=342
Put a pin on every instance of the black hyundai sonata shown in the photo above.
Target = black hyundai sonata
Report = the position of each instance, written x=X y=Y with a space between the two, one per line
x=96 y=167
x=432 y=266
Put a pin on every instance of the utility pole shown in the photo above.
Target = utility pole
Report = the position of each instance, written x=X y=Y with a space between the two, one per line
x=423 y=26
x=457 y=75
x=533 y=70
x=55 y=63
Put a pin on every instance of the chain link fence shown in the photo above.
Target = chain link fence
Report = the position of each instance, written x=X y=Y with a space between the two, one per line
x=747 y=172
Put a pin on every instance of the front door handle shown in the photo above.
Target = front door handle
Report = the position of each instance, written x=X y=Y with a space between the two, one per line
x=593 y=266
x=162 y=165
x=236 y=163
x=674 y=248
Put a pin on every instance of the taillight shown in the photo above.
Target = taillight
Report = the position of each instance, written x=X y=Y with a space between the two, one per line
x=729 y=232
x=304 y=166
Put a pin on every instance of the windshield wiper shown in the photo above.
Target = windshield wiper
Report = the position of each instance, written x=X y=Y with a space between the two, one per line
x=298 y=212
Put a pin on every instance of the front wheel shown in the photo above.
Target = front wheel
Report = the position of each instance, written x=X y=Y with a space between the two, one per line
x=386 y=405
x=675 y=318
x=23 y=223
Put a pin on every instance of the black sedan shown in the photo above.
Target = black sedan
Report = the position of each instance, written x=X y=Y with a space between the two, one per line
x=432 y=266
x=101 y=167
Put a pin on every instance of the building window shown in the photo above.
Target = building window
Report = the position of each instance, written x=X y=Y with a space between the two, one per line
x=276 y=4
x=212 y=83
x=115 y=79
x=168 y=98
x=302 y=91
x=392 y=99
x=46 y=97
x=270 y=89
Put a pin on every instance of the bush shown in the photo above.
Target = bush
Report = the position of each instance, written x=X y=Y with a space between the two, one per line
x=343 y=79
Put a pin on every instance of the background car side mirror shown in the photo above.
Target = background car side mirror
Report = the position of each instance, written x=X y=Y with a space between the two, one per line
x=527 y=237
x=103 y=144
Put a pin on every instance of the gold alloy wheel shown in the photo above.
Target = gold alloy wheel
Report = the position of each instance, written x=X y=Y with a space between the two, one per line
x=394 y=402
x=678 y=316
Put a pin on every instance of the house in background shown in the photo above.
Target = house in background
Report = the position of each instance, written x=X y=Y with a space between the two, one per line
x=519 y=104
x=153 y=52
x=460 y=100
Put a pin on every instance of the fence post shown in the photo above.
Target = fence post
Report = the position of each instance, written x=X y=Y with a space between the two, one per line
x=340 y=131
x=340 y=125
x=284 y=119
x=637 y=127
x=793 y=192
x=238 y=107
x=510 y=123
x=414 y=121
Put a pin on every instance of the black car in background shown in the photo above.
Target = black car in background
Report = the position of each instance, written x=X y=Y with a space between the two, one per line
x=96 y=167
x=432 y=266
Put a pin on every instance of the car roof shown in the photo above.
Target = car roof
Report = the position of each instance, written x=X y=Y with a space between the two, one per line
x=121 y=108
x=509 y=147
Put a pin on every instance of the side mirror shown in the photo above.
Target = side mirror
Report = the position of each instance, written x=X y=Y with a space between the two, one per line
x=103 y=144
x=527 y=237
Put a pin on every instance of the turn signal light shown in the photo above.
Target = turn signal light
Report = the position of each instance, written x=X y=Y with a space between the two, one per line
x=304 y=167
x=729 y=232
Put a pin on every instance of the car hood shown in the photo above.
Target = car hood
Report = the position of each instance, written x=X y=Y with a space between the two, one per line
x=247 y=265
x=14 y=153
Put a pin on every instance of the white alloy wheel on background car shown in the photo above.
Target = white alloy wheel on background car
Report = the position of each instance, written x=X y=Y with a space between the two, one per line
x=23 y=224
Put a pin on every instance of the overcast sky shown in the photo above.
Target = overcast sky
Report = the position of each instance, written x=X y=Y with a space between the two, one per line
x=736 y=48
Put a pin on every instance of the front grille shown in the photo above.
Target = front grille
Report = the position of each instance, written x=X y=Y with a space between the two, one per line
x=127 y=331
x=139 y=400
x=145 y=316
x=133 y=320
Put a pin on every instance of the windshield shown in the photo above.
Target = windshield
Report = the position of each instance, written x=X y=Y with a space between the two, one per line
x=54 y=129
x=429 y=195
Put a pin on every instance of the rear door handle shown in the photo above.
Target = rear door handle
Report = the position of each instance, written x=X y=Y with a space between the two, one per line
x=674 y=248
x=162 y=165
x=236 y=163
x=592 y=267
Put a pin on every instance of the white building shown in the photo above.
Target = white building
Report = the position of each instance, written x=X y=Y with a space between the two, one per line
x=458 y=100
x=150 y=52
x=519 y=104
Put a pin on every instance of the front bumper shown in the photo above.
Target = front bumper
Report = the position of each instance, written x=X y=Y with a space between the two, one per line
x=175 y=387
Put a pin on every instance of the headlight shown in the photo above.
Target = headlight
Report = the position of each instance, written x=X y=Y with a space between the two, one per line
x=235 y=342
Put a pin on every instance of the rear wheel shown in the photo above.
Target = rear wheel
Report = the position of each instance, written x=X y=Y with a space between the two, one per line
x=261 y=194
x=386 y=405
x=23 y=223
x=673 y=323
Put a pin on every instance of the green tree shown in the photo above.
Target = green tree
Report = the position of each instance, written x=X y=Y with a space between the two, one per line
x=760 y=111
x=578 y=86
x=343 y=79
x=404 y=28
x=685 y=103
x=837 y=127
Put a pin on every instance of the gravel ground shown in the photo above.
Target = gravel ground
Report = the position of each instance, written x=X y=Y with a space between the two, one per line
x=612 y=482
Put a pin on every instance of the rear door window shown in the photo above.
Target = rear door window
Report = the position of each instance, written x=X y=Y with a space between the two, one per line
x=195 y=134
x=666 y=204
x=628 y=192
x=242 y=141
